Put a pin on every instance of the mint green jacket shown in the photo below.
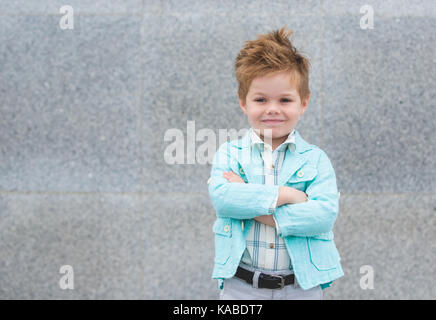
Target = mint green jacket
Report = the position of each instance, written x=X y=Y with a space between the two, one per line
x=306 y=227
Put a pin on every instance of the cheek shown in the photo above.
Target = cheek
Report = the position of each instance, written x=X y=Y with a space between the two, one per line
x=293 y=114
x=254 y=115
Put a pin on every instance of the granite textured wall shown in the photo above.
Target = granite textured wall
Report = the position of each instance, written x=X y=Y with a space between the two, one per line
x=84 y=112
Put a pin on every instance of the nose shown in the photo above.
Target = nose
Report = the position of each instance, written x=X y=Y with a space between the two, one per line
x=272 y=108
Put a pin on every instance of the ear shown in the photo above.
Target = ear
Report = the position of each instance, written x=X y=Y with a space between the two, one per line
x=243 y=106
x=304 y=104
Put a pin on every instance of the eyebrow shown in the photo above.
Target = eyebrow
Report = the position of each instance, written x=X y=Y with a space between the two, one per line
x=283 y=94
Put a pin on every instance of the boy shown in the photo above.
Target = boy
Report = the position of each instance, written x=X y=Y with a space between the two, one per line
x=275 y=195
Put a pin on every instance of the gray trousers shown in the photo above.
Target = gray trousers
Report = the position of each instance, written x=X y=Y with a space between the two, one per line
x=238 y=289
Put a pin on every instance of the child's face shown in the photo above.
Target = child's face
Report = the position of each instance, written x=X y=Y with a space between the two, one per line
x=274 y=97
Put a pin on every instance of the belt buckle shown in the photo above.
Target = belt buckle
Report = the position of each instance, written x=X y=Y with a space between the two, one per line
x=282 y=281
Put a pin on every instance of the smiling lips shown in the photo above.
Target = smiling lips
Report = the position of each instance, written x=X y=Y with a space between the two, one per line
x=272 y=121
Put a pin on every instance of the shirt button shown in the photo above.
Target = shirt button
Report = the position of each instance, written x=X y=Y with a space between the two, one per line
x=271 y=245
x=227 y=228
x=300 y=173
x=241 y=171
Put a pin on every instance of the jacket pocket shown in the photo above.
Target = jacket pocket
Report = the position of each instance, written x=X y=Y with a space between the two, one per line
x=300 y=178
x=323 y=252
x=223 y=239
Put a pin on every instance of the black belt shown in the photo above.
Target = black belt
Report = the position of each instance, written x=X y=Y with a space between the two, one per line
x=266 y=280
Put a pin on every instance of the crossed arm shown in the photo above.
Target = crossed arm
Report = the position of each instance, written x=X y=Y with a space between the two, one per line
x=294 y=214
x=286 y=195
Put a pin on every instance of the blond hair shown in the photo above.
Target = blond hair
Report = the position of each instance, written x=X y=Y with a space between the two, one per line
x=271 y=53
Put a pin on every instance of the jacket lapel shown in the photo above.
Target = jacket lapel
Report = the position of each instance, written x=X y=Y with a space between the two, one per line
x=251 y=160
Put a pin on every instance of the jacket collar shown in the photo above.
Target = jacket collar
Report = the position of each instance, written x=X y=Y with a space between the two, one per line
x=251 y=161
x=301 y=144
x=288 y=143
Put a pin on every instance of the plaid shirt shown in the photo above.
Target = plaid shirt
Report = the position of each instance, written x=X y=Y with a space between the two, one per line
x=265 y=249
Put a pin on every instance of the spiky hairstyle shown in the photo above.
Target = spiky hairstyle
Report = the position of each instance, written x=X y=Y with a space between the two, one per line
x=270 y=53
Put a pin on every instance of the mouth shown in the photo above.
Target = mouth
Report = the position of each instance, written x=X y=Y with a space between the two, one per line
x=272 y=121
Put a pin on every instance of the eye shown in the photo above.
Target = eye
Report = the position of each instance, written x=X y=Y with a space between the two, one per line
x=263 y=99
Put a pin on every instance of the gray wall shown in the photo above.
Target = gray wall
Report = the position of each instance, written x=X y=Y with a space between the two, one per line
x=83 y=180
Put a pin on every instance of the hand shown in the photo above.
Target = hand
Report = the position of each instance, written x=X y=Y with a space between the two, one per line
x=266 y=219
x=233 y=177
x=296 y=196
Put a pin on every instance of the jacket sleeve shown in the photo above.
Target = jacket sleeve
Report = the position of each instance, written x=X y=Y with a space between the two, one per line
x=238 y=200
x=317 y=215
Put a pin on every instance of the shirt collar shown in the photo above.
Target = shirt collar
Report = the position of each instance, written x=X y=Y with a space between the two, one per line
x=289 y=142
